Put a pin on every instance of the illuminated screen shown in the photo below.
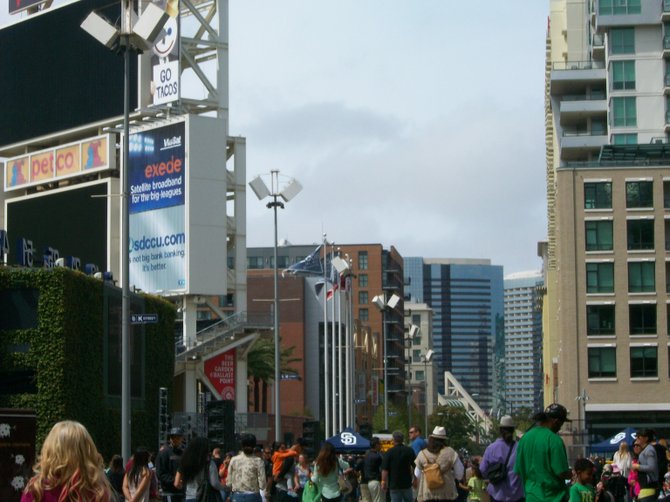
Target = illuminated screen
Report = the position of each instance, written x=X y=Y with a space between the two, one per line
x=55 y=76
x=71 y=221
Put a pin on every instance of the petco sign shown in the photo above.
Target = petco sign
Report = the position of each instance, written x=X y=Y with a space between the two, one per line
x=67 y=161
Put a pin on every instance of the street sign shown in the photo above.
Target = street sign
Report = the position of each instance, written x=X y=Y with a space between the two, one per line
x=143 y=318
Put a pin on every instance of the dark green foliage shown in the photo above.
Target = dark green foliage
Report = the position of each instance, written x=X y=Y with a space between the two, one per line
x=67 y=352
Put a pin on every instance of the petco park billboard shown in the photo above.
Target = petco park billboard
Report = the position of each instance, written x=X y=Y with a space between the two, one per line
x=54 y=164
x=178 y=182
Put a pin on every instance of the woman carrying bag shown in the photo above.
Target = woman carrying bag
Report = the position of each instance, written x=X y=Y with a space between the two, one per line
x=198 y=474
x=437 y=467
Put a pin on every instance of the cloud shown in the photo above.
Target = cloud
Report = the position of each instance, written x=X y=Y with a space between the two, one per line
x=463 y=185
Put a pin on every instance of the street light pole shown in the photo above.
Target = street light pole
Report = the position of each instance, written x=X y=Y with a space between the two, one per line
x=290 y=190
x=274 y=205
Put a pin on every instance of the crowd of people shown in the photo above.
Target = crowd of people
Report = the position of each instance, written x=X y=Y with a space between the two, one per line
x=533 y=468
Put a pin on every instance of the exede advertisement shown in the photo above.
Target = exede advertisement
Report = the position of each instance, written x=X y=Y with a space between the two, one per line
x=157 y=174
x=220 y=370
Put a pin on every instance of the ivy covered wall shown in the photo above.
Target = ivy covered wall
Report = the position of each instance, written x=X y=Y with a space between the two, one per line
x=62 y=362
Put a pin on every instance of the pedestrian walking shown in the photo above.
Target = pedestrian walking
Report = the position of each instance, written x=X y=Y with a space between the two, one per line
x=137 y=482
x=68 y=467
x=246 y=473
x=198 y=474
x=398 y=470
x=647 y=466
x=450 y=468
x=167 y=463
x=327 y=470
x=497 y=465
x=371 y=474
x=541 y=460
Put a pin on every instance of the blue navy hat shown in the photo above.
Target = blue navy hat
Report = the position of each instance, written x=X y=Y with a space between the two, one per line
x=176 y=431
x=556 y=410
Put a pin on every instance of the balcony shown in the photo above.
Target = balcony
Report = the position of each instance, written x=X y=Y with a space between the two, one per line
x=576 y=108
x=576 y=145
x=665 y=15
x=575 y=77
x=666 y=46
x=598 y=47
x=666 y=88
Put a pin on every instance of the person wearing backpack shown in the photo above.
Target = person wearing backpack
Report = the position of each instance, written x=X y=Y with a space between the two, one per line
x=437 y=467
x=497 y=465
x=647 y=466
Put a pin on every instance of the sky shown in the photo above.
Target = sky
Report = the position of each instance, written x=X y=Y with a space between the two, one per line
x=417 y=124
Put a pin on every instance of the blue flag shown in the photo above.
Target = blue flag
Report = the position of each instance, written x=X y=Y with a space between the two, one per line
x=309 y=265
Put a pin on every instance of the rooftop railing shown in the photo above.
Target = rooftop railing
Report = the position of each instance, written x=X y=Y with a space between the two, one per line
x=578 y=65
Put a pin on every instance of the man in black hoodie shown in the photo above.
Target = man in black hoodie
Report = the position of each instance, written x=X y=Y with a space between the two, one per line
x=167 y=463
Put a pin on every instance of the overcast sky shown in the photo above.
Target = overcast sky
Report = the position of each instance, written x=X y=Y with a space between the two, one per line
x=412 y=123
x=415 y=123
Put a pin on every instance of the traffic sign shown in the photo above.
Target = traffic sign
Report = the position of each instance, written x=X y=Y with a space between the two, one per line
x=143 y=318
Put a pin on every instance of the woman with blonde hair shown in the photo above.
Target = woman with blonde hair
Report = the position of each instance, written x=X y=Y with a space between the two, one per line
x=623 y=459
x=69 y=468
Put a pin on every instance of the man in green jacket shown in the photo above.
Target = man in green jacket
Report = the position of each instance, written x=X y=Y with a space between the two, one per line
x=541 y=461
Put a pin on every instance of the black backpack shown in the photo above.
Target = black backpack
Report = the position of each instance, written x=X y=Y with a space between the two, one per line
x=661 y=462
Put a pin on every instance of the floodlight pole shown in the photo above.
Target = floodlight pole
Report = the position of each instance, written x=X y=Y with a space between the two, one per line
x=274 y=205
x=125 y=255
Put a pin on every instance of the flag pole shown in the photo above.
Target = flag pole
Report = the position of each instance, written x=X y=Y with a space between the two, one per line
x=333 y=343
x=347 y=324
x=339 y=351
x=325 y=340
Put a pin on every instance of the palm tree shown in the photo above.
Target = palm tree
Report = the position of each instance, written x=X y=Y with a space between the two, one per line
x=261 y=367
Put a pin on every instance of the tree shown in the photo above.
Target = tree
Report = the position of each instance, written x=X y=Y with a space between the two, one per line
x=261 y=367
x=458 y=425
x=397 y=418
x=523 y=418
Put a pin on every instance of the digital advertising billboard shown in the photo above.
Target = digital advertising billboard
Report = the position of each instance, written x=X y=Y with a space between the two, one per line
x=157 y=173
x=75 y=221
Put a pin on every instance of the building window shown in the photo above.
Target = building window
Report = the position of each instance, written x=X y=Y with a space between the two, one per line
x=419 y=375
x=618 y=7
x=600 y=278
x=622 y=40
x=416 y=340
x=230 y=260
x=282 y=261
x=363 y=260
x=624 y=112
x=599 y=320
x=640 y=234
x=416 y=356
x=643 y=362
x=623 y=75
x=624 y=139
x=598 y=195
x=254 y=262
x=641 y=277
x=598 y=235
x=602 y=362
x=363 y=315
x=363 y=280
x=639 y=194
x=363 y=297
x=642 y=319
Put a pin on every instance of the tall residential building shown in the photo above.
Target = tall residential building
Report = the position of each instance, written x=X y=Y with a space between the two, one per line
x=467 y=301
x=523 y=341
x=608 y=186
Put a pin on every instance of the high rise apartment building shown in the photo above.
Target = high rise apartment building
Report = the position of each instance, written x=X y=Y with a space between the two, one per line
x=608 y=185
x=523 y=342
x=468 y=328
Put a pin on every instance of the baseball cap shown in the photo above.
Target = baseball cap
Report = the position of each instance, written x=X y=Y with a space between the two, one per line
x=556 y=410
x=176 y=431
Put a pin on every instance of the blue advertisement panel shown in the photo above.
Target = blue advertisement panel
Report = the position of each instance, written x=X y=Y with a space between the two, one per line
x=157 y=174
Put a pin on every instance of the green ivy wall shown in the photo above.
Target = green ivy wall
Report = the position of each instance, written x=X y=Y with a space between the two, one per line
x=67 y=351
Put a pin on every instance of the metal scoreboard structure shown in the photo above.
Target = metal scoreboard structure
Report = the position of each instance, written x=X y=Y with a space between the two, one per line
x=60 y=156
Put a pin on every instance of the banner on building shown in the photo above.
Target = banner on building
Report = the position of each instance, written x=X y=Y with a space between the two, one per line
x=157 y=233
x=220 y=370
